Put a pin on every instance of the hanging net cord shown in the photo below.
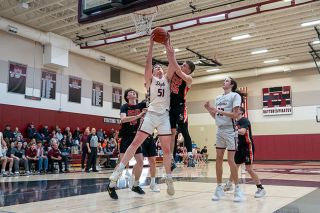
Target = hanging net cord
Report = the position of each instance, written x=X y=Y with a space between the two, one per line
x=143 y=22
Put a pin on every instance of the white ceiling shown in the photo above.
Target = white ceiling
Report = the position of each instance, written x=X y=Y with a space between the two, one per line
x=278 y=31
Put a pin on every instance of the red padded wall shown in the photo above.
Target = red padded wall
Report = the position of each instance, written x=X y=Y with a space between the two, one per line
x=287 y=147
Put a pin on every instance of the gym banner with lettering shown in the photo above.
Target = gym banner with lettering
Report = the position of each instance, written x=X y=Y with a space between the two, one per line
x=74 y=89
x=17 y=78
x=277 y=100
x=116 y=97
x=97 y=94
x=48 y=84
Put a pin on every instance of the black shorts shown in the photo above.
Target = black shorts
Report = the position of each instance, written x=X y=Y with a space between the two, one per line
x=149 y=148
x=178 y=115
x=126 y=142
x=244 y=155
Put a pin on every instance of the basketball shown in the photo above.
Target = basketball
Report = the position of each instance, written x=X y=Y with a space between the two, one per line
x=160 y=35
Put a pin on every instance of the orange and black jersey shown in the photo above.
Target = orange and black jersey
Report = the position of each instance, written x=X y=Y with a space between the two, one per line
x=246 y=139
x=130 y=128
x=179 y=90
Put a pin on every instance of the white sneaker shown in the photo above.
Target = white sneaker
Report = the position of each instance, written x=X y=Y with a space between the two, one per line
x=131 y=181
x=228 y=186
x=260 y=193
x=238 y=195
x=218 y=194
x=170 y=188
x=127 y=175
x=154 y=188
x=82 y=170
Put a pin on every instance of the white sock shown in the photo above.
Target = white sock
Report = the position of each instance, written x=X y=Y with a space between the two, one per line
x=153 y=181
x=121 y=166
x=136 y=183
x=3 y=171
x=219 y=184
x=169 y=176
x=112 y=184
x=190 y=154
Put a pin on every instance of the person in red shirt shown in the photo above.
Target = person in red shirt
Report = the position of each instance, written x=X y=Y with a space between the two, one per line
x=54 y=155
x=32 y=155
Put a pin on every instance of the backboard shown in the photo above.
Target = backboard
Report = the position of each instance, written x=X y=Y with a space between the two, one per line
x=95 y=10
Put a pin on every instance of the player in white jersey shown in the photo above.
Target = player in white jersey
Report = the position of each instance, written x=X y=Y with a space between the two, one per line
x=225 y=112
x=156 y=117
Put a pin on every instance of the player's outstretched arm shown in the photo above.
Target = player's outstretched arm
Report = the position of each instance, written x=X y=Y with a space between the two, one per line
x=173 y=65
x=148 y=68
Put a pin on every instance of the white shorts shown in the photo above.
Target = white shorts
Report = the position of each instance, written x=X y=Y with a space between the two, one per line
x=153 y=120
x=226 y=138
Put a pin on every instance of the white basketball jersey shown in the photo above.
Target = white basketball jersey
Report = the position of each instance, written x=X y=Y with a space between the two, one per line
x=227 y=103
x=159 y=95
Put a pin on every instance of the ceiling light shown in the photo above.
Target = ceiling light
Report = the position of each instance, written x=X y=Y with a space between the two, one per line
x=271 y=61
x=176 y=50
x=213 y=70
x=316 y=42
x=287 y=0
x=259 y=51
x=310 y=23
x=240 y=37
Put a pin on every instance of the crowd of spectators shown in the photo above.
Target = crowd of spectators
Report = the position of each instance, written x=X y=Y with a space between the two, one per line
x=37 y=151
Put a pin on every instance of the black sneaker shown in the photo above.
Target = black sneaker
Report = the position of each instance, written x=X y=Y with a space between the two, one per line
x=173 y=165
x=112 y=192
x=138 y=190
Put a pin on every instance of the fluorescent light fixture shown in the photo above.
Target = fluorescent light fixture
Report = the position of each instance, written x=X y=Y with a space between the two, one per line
x=310 y=23
x=184 y=24
x=212 y=18
x=259 y=51
x=271 y=61
x=240 y=37
x=316 y=42
x=213 y=70
x=287 y=0
x=176 y=50
x=116 y=39
x=197 y=62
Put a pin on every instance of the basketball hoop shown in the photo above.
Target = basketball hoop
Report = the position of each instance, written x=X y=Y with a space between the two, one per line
x=143 y=20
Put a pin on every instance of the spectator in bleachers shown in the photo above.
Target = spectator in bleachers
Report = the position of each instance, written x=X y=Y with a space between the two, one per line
x=59 y=135
x=7 y=134
x=45 y=133
x=204 y=153
x=100 y=135
x=178 y=157
x=19 y=156
x=4 y=157
x=43 y=158
x=54 y=155
x=83 y=147
x=53 y=134
x=113 y=144
x=76 y=135
x=31 y=131
x=67 y=131
x=32 y=155
x=25 y=144
x=69 y=139
x=65 y=153
x=92 y=145
x=17 y=134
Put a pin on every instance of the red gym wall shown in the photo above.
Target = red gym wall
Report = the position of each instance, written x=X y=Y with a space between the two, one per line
x=22 y=116
x=287 y=147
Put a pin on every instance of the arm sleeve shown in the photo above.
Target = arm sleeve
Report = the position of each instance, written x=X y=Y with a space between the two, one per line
x=236 y=101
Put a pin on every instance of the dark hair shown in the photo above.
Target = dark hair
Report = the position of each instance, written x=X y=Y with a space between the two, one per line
x=126 y=94
x=191 y=65
x=156 y=64
x=235 y=87
x=242 y=110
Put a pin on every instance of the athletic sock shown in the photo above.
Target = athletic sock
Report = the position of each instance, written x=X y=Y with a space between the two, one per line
x=169 y=176
x=136 y=183
x=153 y=181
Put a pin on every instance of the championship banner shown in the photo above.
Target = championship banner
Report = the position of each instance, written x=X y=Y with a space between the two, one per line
x=116 y=97
x=48 y=84
x=97 y=94
x=17 y=78
x=277 y=100
x=74 y=89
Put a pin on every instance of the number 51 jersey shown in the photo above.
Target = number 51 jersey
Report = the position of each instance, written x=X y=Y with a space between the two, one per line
x=159 y=95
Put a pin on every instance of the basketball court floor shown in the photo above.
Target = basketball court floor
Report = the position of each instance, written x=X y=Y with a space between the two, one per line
x=291 y=187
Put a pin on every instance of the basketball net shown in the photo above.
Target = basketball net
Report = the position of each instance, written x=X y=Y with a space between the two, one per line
x=143 y=20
